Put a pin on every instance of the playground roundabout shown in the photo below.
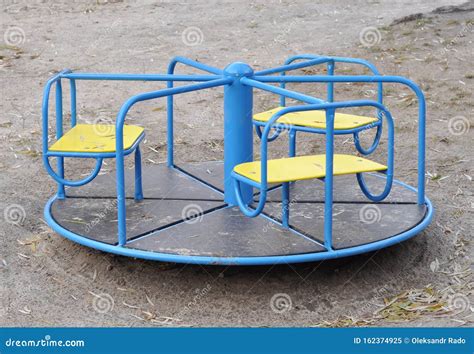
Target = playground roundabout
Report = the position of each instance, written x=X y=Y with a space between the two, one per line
x=239 y=211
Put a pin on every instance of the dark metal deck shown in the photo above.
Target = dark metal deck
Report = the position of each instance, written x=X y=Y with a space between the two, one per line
x=184 y=215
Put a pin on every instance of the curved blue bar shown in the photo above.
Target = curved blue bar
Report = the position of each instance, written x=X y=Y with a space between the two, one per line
x=375 y=143
x=390 y=164
x=251 y=213
x=81 y=182
x=275 y=135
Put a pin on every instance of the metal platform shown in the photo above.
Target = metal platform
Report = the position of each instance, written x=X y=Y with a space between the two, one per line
x=183 y=218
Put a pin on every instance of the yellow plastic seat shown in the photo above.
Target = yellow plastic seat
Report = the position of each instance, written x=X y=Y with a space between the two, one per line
x=316 y=119
x=98 y=138
x=306 y=167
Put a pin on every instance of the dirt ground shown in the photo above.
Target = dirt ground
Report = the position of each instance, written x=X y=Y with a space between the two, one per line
x=46 y=280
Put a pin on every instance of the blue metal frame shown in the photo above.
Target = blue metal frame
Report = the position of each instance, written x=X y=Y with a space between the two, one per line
x=312 y=60
x=374 y=79
x=120 y=167
x=60 y=155
x=330 y=109
x=238 y=80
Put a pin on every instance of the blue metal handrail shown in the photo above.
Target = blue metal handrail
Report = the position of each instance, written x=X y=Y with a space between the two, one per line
x=304 y=98
x=119 y=139
x=288 y=66
x=45 y=107
x=311 y=60
x=330 y=109
x=72 y=77
x=330 y=92
x=323 y=59
x=376 y=79
x=56 y=79
x=315 y=60
x=282 y=92
x=138 y=77
x=331 y=64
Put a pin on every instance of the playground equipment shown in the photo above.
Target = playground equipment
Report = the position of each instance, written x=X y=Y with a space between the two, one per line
x=238 y=211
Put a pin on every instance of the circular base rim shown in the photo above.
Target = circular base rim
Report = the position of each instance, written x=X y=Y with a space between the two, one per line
x=256 y=260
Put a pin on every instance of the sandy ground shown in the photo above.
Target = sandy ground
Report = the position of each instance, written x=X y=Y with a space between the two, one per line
x=46 y=280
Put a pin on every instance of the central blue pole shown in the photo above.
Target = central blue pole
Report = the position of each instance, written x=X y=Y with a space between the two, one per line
x=238 y=133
